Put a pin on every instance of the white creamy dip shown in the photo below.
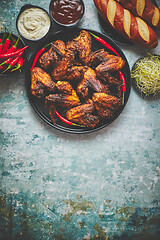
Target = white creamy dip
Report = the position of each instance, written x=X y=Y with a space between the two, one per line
x=33 y=23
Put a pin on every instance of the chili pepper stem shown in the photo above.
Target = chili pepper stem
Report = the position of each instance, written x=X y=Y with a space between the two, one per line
x=47 y=45
x=77 y=125
x=6 y=69
x=93 y=35
x=2 y=63
x=123 y=93
x=16 y=68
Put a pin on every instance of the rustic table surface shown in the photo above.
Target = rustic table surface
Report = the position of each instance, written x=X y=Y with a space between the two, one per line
x=56 y=185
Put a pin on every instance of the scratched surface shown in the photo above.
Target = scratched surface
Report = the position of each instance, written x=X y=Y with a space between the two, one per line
x=54 y=185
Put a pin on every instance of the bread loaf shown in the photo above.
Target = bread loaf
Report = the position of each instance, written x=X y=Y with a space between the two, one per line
x=144 y=9
x=126 y=24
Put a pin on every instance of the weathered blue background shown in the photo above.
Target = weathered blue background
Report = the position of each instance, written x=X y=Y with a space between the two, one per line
x=54 y=185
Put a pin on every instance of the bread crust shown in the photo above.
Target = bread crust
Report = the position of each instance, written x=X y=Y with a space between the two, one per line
x=144 y=9
x=144 y=36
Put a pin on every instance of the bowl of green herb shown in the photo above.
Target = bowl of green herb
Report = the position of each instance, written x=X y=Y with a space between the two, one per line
x=145 y=75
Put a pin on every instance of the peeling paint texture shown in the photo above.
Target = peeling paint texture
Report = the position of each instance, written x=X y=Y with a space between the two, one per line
x=54 y=185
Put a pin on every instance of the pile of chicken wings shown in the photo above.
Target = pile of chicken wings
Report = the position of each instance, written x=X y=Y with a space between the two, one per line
x=82 y=83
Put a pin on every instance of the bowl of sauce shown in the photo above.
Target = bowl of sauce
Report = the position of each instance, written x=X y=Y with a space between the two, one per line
x=67 y=13
x=33 y=22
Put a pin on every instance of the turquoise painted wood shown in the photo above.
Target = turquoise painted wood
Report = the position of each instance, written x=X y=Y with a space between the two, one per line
x=55 y=185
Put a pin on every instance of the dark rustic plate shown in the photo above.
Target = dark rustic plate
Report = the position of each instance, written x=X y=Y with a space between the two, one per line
x=21 y=44
x=112 y=33
x=38 y=104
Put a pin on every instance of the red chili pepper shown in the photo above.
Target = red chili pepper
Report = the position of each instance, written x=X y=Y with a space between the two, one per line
x=6 y=44
x=1 y=44
x=12 y=63
x=8 y=60
x=38 y=55
x=104 y=43
x=13 y=48
x=67 y=121
x=123 y=85
x=19 y=64
x=12 y=54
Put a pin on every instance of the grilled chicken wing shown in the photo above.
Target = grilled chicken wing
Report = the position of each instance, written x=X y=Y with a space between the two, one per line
x=83 y=46
x=60 y=70
x=51 y=57
x=112 y=64
x=75 y=73
x=83 y=115
x=80 y=45
x=115 y=85
x=90 y=81
x=41 y=81
x=106 y=105
x=63 y=100
x=66 y=88
x=97 y=57
x=67 y=97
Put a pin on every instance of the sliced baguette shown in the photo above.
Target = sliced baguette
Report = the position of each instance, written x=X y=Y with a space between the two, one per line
x=144 y=9
x=126 y=24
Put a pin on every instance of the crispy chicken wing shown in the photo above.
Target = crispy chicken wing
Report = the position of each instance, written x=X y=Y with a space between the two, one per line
x=63 y=100
x=112 y=64
x=83 y=115
x=115 y=85
x=97 y=57
x=51 y=57
x=60 y=70
x=65 y=87
x=67 y=97
x=75 y=73
x=40 y=82
x=106 y=105
x=90 y=81
x=80 y=45
x=83 y=46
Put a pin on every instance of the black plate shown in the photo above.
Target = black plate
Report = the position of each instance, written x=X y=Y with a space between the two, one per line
x=112 y=33
x=38 y=104
x=21 y=44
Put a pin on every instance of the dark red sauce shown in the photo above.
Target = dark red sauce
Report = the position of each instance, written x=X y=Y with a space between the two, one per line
x=66 y=11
